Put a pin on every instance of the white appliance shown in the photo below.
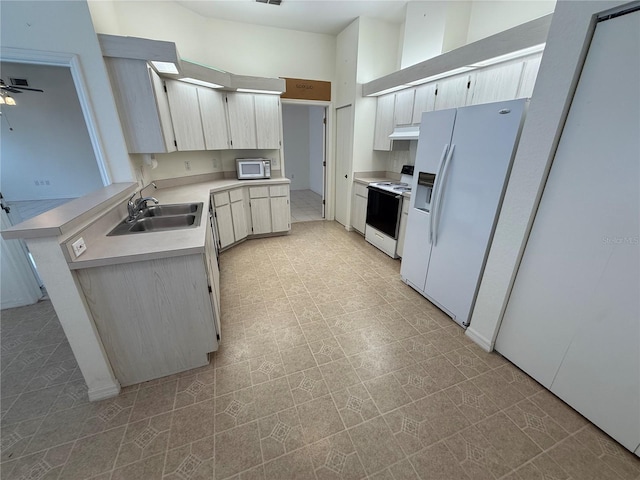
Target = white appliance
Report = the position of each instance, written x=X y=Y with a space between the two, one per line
x=463 y=162
x=250 y=168
x=384 y=210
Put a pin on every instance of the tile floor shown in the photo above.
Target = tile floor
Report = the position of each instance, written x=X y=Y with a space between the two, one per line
x=330 y=368
x=306 y=206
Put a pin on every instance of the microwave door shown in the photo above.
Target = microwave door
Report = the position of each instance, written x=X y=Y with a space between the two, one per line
x=250 y=169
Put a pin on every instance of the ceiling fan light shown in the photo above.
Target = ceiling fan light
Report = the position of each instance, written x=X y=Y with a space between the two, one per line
x=2 y=102
x=9 y=100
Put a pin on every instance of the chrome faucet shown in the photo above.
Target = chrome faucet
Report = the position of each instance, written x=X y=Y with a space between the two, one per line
x=135 y=206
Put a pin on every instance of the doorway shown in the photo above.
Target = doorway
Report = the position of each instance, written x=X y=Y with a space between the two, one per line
x=304 y=145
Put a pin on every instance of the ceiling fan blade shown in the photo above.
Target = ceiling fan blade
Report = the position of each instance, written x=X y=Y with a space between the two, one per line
x=28 y=88
x=9 y=89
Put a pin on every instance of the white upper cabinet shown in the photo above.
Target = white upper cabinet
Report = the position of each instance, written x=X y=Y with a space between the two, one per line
x=529 y=74
x=424 y=101
x=495 y=84
x=452 y=92
x=403 y=113
x=185 y=114
x=268 y=120
x=214 y=119
x=142 y=106
x=384 y=122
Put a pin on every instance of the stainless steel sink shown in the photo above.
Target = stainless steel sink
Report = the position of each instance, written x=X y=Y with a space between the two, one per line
x=161 y=218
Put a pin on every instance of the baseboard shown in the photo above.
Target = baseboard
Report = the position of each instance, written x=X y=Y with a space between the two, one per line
x=480 y=340
x=102 y=393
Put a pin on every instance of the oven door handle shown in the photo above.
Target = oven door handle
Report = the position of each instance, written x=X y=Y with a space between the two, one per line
x=384 y=192
x=436 y=188
x=436 y=213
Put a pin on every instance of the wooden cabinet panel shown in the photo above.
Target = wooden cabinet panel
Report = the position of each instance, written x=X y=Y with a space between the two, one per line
x=260 y=215
x=220 y=198
x=185 y=115
x=359 y=212
x=242 y=122
x=214 y=119
x=258 y=192
x=384 y=122
x=404 y=217
x=494 y=84
x=164 y=113
x=225 y=225
x=279 y=190
x=424 y=101
x=452 y=92
x=403 y=112
x=239 y=217
x=236 y=195
x=280 y=214
x=529 y=75
x=267 y=114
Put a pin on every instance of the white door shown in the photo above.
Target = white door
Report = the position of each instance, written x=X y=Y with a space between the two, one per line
x=468 y=198
x=344 y=142
x=573 y=317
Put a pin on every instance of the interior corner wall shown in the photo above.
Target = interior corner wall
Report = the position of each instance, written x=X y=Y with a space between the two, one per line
x=66 y=27
x=316 y=149
x=236 y=47
x=295 y=132
x=424 y=30
x=346 y=64
x=47 y=153
x=457 y=25
x=491 y=17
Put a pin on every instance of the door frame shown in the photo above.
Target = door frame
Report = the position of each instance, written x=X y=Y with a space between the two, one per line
x=328 y=208
x=71 y=61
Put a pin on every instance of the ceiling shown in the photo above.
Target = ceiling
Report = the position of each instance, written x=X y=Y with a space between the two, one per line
x=318 y=16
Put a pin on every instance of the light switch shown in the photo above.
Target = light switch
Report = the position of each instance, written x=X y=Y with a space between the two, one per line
x=79 y=247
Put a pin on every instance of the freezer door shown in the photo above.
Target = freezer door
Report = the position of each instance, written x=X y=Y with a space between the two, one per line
x=471 y=190
x=436 y=129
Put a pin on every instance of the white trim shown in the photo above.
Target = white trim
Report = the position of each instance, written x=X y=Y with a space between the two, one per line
x=102 y=393
x=61 y=59
x=479 y=339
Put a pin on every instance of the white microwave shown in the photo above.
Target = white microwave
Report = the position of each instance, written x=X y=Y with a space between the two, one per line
x=248 y=168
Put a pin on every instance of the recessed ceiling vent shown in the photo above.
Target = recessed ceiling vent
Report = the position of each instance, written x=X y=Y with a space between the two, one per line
x=19 y=82
x=270 y=2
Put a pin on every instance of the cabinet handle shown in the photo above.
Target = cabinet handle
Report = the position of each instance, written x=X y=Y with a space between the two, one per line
x=345 y=176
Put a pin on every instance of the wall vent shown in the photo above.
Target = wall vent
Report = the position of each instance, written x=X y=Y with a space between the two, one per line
x=19 y=82
x=270 y=2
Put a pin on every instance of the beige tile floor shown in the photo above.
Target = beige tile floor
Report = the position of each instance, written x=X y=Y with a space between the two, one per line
x=306 y=206
x=330 y=368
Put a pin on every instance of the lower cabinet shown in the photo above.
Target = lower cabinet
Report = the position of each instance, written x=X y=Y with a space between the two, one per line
x=359 y=212
x=270 y=209
x=280 y=208
x=168 y=326
x=403 y=225
x=230 y=216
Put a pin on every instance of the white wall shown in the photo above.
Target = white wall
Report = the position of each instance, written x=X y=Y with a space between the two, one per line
x=562 y=62
x=49 y=141
x=316 y=149
x=295 y=128
x=491 y=17
x=62 y=26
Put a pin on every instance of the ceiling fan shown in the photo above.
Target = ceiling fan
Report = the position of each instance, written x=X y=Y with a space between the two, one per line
x=18 y=86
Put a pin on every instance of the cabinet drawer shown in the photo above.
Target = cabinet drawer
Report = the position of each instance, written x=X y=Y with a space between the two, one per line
x=278 y=190
x=220 y=199
x=235 y=195
x=258 y=192
x=361 y=190
x=405 y=205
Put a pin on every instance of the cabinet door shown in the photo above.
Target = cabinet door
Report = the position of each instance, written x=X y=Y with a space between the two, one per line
x=214 y=119
x=225 y=225
x=360 y=213
x=213 y=277
x=529 y=75
x=452 y=93
x=494 y=84
x=260 y=215
x=424 y=101
x=280 y=214
x=403 y=112
x=242 y=121
x=164 y=113
x=384 y=122
x=267 y=111
x=185 y=115
x=239 y=217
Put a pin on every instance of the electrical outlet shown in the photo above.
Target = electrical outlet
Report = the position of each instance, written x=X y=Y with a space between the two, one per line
x=187 y=165
x=216 y=163
x=79 y=247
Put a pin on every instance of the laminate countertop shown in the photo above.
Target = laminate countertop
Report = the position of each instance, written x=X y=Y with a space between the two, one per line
x=368 y=180
x=103 y=250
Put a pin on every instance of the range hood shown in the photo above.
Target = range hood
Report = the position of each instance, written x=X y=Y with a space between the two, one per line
x=410 y=132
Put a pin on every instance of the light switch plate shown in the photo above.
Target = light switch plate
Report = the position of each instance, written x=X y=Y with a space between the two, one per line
x=79 y=247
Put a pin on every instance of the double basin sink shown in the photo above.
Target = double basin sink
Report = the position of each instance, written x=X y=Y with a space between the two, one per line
x=157 y=218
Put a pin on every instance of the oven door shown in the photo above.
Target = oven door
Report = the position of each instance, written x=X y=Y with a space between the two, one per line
x=383 y=211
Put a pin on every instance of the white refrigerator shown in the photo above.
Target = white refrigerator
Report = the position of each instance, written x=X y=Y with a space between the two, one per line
x=462 y=166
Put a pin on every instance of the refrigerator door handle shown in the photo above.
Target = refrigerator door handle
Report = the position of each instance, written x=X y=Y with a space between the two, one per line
x=436 y=213
x=435 y=190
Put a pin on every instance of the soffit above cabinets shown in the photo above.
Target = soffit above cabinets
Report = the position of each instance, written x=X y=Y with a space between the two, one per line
x=161 y=54
x=496 y=48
